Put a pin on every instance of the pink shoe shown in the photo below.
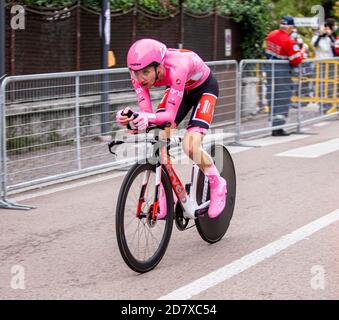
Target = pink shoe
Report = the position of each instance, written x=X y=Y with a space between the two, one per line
x=218 y=191
x=162 y=204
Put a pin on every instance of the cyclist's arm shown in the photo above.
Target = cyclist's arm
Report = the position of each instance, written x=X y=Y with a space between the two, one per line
x=171 y=107
x=143 y=95
x=171 y=101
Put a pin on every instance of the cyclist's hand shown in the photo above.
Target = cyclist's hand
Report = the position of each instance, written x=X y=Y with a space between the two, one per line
x=142 y=120
x=122 y=119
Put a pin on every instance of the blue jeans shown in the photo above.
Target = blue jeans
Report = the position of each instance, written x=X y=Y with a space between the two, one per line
x=279 y=80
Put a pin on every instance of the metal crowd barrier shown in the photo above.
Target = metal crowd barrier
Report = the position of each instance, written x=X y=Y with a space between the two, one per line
x=319 y=87
x=270 y=90
x=55 y=126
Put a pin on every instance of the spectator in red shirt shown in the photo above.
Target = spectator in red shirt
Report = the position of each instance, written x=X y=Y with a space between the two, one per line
x=280 y=46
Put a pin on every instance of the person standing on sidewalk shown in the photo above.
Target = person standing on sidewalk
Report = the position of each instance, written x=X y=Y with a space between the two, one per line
x=324 y=45
x=280 y=46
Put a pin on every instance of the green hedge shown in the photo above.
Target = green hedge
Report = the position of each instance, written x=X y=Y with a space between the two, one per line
x=45 y=3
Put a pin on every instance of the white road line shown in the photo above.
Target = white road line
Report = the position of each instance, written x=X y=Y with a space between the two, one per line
x=263 y=142
x=321 y=124
x=228 y=271
x=273 y=140
x=66 y=187
x=233 y=149
x=312 y=151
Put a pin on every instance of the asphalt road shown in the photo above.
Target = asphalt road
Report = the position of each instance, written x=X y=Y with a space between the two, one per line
x=282 y=242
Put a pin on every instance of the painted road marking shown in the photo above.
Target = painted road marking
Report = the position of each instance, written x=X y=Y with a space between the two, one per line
x=312 y=151
x=264 y=142
x=228 y=271
x=233 y=149
x=321 y=124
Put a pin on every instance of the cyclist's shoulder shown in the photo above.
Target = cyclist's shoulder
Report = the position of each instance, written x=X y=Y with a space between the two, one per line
x=181 y=54
x=180 y=61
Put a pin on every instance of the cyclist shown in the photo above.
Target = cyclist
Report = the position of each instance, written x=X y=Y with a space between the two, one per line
x=190 y=85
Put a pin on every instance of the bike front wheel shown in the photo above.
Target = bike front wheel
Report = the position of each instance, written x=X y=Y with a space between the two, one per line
x=142 y=241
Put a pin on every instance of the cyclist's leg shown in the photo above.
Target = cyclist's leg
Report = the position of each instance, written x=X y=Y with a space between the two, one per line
x=204 y=100
x=199 y=124
x=192 y=146
x=218 y=185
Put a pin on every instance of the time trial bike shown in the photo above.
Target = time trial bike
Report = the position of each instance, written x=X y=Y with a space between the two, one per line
x=142 y=237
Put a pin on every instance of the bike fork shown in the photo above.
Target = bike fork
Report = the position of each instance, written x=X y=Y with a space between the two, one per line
x=158 y=169
x=142 y=192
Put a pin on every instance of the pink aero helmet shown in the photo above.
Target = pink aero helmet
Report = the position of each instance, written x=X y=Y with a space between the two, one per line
x=144 y=52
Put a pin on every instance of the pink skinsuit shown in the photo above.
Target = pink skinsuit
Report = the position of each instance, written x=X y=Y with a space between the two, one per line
x=185 y=70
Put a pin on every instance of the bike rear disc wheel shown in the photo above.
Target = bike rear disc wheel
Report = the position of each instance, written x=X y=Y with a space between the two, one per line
x=142 y=244
x=212 y=230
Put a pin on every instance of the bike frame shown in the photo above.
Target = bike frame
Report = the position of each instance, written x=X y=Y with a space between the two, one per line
x=191 y=209
x=188 y=202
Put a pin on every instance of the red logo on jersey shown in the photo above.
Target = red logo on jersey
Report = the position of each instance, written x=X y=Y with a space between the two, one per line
x=178 y=81
x=162 y=104
x=190 y=82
